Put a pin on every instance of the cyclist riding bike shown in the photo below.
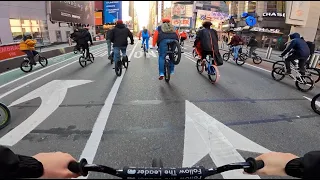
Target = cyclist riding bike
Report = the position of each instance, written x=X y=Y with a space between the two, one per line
x=253 y=44
x=83 y=36
x=299 y=50
x=55 y=165
x=235 y=43
x=206 y=43
x=145 y=37
x=75 y=38
x=27 y=45
x=183 y=36
x=119 y=37
x=164 y=34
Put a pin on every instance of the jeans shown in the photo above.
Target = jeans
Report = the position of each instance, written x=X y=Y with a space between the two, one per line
x=30 y=55
x=116 y=53
x=301 y=64
x=85 y=48
x=251 y=50
x=109 y=46
x=163 y=47
x=147 y=42
x=236 y=51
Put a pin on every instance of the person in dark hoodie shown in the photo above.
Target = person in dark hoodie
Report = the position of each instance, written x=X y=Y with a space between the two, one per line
x=253 y=44
x=75 y=38
x=300 y=51
x=119 y=37
x=84 y=37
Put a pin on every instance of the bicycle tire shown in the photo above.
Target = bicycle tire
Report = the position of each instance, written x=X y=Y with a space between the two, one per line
x=82 y=61
x=226 y=57
x=157 y=162
x=257 y=60
x=118 y=68
x=91 y=57
x=43 y=61
x=194 y=53
x=215 y=75
x=317 y=71
x=311 y=84
x=176 y=60
x=6 y=117
x=125 y=61
x=281 y=63
x=28 y=63
x=240 y=60
x=166 y=71
x=313 y=104
x=281 y=72
x=198 y=65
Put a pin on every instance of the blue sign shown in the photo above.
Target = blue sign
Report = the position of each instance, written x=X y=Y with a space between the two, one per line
x=251 y=21
x=112 y=11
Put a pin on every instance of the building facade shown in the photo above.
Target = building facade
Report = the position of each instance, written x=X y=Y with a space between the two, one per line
x=152 y=15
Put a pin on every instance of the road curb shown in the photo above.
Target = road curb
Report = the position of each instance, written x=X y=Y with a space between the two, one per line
x=15 y=62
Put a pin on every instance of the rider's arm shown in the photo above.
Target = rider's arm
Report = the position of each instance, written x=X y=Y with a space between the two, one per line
x=155 y=38
x=18 y=166
x=289 y=47
x=111 y=36
x=130 y=36
x=90 y=38
x=283 y=164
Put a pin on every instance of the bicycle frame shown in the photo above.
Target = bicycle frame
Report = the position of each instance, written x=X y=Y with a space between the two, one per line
x=298 y=74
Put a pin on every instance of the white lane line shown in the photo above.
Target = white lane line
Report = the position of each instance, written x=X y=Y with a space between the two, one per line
x=42 y=69
x=93 y=142
x=29 y=82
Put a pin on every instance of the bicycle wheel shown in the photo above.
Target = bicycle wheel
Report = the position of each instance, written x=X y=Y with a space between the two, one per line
x=314 y=73
x=25 y=66
x=315 y=104
x=43 y=61
x=176 y=53
x=125 y=61
x=166 y=70
x=307 y=81
x=278 y=64
x=278 y=71
x=194 y=53
x=5 y=116
x=118 y=68
x=199 y=67
x=156 y=162
x=240 y=60
x=214 y=74
x=144 y=52
x=257 y=60
x=226 y=56
x=91 y=57
x=82 y=61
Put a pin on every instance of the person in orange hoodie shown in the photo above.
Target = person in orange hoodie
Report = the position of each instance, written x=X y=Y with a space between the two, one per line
x=165 y=33
x=183 y=36
x=27 y=45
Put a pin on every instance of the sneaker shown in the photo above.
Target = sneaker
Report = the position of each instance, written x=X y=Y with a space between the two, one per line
x=161 y=77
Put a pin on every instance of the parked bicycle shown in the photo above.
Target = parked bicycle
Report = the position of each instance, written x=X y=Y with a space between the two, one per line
x=315 y=103
x=5 y=116
x=256 y=59
x=298 y=78
x=211 y=69
x=157 y=171
x=239 y=61
x=26 y=66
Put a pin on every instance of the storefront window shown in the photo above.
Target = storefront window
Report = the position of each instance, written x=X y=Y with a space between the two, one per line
x=276 y=6
x=37 y=28
x=250 y=6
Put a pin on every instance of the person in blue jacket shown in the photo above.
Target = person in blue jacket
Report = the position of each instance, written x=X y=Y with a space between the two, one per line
x=145 y=37
x=300 y=51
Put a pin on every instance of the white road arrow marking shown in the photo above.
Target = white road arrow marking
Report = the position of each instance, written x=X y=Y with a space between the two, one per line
x=52 y=94
x=206 y=135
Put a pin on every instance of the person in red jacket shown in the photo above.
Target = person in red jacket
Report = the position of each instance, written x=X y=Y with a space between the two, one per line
x=235 y=43
x=183 y=36
x=164 y=34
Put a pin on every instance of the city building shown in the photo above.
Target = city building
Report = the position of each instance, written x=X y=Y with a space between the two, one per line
x=43 y=19
x=98 y=18
x=152 y=15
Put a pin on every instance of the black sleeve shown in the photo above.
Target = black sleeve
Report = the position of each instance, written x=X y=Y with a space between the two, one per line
x=90 y=38
x=306 y=167
x=111 y=35
x=18 y=166
x=130 y=36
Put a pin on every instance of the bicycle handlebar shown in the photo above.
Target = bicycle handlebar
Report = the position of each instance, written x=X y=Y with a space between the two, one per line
x=82 y=168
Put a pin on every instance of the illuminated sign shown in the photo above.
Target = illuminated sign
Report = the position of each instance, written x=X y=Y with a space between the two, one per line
x=273 y=14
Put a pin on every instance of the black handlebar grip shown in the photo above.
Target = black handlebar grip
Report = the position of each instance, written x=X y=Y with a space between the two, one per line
x=78 y=167
x=255 y=165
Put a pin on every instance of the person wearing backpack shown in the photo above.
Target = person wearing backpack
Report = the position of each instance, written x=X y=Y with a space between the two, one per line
x=165 y=33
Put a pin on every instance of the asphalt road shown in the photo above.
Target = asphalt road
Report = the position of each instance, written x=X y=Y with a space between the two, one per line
x=128 y=120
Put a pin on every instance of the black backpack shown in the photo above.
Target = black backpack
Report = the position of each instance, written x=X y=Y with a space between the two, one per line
x=311 y=46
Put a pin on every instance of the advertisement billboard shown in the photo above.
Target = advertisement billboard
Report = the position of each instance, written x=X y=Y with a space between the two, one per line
x=214 y=17
x=179 y=10
x=112 y=11
x=98 y=18
x=73 y=11
x=185 y=22
x=98 y=5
